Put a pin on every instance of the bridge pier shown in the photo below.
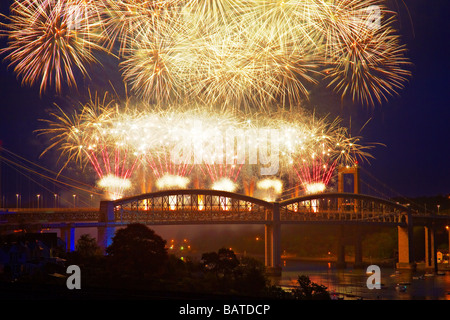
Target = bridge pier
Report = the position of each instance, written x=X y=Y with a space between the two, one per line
x=358 y=249
x=430 y=250
x=273 y=242
x=340 y=262
x=106 y=233
x=349 y=235
x=405 y=246
x=68 y=235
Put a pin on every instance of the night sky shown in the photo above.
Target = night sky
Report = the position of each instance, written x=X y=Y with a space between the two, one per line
x=414 y=126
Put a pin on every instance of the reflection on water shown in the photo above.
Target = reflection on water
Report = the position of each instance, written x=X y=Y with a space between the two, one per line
x=350 y=283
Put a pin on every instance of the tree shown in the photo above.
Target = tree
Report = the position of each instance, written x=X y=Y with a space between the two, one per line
x=308 y=290
x=250 y=276
x=87 y=247
x=222 y=262
x=137 y=251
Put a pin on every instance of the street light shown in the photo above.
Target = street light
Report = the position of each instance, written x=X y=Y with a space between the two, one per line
x=56 y=196
x=17 y=200
x=38 y=196
x=74 y=196
x=438 y=206
x=448 y=230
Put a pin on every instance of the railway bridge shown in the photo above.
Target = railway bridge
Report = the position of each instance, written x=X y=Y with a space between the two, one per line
x=205 y=206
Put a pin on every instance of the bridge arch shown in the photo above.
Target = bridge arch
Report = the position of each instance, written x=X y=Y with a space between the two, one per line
x=190 y=206
x=342 y=207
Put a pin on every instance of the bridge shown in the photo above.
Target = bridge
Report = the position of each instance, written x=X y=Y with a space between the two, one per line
x=204 y=206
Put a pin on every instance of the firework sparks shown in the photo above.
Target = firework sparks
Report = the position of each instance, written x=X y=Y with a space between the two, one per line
x=271 y=188
x=364 y=55
x=49 y=41
x=195 y=142
x=114 y=186
x=224 y=184
x=233 y=53
x=172 y=182
x=92 y=136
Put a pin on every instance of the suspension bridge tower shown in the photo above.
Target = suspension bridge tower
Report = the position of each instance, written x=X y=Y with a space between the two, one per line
x=354 y=173
x=346 y=171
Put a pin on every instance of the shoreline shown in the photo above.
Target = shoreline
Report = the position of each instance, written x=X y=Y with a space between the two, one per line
x=349 y=260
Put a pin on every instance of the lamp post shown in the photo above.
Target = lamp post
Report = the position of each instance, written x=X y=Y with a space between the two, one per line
x=17 y=200
x=38 y=196
x=74 y=196
x=448 y=230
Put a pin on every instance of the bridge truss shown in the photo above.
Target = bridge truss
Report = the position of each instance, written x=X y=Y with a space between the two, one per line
x=210 y=206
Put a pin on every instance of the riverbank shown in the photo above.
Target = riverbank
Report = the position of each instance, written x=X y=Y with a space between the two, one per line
x=349 y=260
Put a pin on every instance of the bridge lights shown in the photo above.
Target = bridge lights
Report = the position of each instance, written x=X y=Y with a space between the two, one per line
x=200 y=203
x=225 y=203
x=448 y=229
x=17 y=200
x=172 y=202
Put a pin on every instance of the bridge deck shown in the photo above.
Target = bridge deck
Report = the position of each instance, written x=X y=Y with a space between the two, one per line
x=185 y=207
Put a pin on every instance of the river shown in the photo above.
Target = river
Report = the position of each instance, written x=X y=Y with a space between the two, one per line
x=350 y=283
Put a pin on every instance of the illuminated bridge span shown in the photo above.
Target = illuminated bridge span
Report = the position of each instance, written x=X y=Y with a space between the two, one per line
x=178 y=207
x=213 y=207
x=216 y=207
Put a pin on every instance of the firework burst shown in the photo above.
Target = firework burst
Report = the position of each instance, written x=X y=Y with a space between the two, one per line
x=122 y=20
x=92 y=135
x=49 y=41
x=194 y=143
x=236 y=54
x=363 y=53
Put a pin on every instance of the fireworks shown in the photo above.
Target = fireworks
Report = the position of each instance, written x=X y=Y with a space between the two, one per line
x=364 y=55
x=224 y=184
x=92 y=135
x=182 y=143
x=235 y=54
x=172 y=182
x=50 y=40
x=221 y=85
x=114 y=186
x=271 y=188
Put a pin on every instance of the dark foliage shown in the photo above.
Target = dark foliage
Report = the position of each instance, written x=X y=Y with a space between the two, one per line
x=308 y=290
x=137 y=251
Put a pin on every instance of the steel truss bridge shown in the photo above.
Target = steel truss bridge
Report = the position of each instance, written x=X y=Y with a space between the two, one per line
x=198 y=206
x=215 y=207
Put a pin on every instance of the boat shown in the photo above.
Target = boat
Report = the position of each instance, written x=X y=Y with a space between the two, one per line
x=400 y=288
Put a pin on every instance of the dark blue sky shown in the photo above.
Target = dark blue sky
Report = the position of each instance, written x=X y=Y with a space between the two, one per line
x=415 y=126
